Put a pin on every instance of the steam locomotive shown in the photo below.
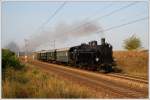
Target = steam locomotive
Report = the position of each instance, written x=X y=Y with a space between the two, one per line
x=90 y=56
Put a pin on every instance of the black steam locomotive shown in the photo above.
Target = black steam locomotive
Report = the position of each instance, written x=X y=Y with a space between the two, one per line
x=90 y=56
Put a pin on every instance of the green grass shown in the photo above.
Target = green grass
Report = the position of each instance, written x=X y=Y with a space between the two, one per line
x=33 y=83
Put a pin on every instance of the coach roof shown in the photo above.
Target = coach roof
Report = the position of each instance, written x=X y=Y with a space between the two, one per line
x=63 y=49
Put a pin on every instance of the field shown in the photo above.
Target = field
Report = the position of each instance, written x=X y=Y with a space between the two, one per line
x=132 y=62
x=30 y=82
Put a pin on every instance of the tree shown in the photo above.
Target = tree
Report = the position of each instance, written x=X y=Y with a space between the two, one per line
x=132 y=43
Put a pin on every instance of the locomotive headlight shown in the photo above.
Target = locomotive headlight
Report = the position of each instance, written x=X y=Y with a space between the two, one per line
x=97 y=59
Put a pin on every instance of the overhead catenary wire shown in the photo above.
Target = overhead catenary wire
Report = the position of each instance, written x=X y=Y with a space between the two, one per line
x=108 y=6
x=116 y=10
x=76 y=28
x=87 y=18
x=124 y=24
x=104 y=16
x=53 y=15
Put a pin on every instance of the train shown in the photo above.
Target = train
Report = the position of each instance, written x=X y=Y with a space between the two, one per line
x=89 y=56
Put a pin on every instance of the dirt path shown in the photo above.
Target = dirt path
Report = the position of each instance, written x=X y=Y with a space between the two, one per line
x=112 y=88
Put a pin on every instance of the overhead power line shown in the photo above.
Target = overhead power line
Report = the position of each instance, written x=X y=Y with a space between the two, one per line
x=88 y=18
x=104 y=16
x=53 y=15
x=116 y=10
x=124 y=24
x=107 y=7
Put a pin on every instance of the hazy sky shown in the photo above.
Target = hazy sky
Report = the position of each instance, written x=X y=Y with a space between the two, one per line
x=21 y=20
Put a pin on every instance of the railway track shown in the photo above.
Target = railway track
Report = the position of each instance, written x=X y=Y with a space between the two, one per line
x=138 y=79
x=97 y=81
x=124 y=76
x=128 y=77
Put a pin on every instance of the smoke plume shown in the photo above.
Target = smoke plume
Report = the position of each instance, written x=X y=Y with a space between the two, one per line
x=13 y=47
x=62 y=32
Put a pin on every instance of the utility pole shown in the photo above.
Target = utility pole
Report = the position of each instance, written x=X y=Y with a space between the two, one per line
x=54 y=44
x=18 y=54
x=26 y=50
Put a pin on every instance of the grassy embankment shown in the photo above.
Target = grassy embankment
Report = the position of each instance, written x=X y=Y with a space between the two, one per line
x=132 y=62
x=30 y=82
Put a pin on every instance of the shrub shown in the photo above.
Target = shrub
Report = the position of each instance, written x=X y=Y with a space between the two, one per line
x=132 y=43
x=9 y=59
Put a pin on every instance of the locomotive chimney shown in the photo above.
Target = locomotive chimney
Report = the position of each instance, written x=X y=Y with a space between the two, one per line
x=103 y=41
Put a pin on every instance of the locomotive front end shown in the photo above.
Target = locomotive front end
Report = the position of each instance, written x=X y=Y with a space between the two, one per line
x=105 y=53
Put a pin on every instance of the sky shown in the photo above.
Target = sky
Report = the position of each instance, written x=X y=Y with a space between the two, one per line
x=30 y=21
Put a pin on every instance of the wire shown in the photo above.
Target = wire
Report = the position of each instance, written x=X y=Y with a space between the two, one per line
x=53 y=15
x=108 y=6
x=104 y=16
x=117 y=10
x=124 y=24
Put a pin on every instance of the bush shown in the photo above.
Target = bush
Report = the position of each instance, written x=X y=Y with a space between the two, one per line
x=132 y=43
x=9 y=60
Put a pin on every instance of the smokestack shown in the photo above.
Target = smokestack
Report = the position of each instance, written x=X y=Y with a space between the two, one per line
x=103 y=41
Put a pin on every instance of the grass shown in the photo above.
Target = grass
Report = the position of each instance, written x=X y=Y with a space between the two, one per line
x=33 y=83
x=132 y=62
